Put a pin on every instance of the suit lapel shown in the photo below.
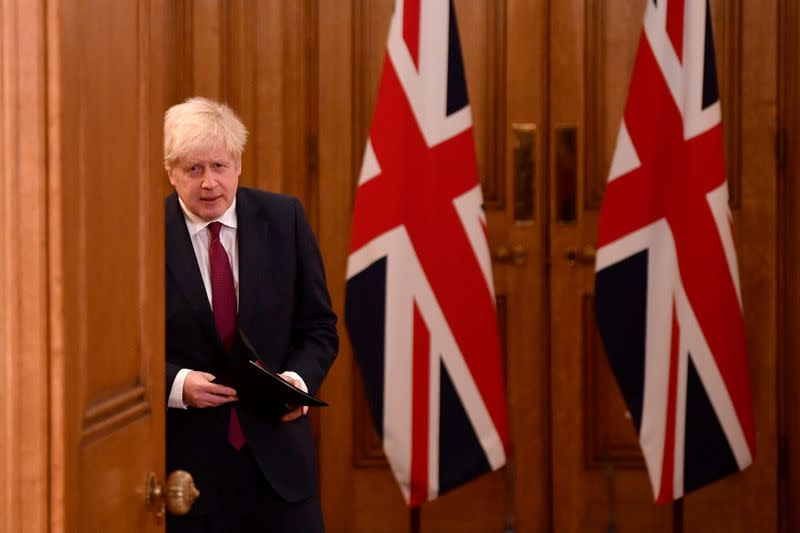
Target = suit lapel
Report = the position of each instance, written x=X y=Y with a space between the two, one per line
x=253 y=257
x=182 y=262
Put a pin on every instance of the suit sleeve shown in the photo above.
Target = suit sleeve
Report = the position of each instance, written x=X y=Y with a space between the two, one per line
x=315 y=341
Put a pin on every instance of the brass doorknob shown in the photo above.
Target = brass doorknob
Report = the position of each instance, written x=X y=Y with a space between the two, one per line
x=518 y=254
x=586 y=256
x=502 y=254
x=177 y=495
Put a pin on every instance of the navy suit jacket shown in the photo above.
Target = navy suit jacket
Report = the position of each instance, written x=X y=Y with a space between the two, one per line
x=285 y=310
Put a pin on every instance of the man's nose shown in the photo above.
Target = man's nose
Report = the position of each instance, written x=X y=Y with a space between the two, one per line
x=208 y=181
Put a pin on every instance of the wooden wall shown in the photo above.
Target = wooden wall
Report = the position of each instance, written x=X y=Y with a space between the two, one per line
x=303 y=74
x=261 y=58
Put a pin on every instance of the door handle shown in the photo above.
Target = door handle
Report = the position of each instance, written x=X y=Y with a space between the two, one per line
x=176 y=496
x=585 y=256
x=517 y=254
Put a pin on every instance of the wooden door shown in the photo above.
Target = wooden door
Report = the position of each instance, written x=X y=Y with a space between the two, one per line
x=598 y=472
x=105 y=211
x=83 y=291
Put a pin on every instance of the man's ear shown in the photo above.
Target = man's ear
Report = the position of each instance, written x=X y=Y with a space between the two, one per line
x=171 y=177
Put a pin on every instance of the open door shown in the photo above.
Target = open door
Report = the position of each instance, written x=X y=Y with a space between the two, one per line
x=107 y=264
x=85 y=85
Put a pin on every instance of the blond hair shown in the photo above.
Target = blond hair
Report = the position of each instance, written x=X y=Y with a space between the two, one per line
x=201 y=124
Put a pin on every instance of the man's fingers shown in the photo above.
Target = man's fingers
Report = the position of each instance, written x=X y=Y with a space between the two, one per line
x=203 y=384
x=290 y=379
x=205 y=375
x=213 y=400
x=199 y=391
x=219 y=390
x=294 y=414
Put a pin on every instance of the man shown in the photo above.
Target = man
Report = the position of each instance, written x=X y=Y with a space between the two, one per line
x=238 y=259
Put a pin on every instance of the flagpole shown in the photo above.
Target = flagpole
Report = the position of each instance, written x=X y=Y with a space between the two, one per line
x=415 y=519
x=677 y=516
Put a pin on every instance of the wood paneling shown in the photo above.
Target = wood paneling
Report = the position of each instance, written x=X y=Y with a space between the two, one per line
x=368 y=447
x=485 y=62
x=728 y=41
x=85 y=84
x=337 y=166
x=260 y=58
x=608 y=64
x=610 y=440
x=749 y=501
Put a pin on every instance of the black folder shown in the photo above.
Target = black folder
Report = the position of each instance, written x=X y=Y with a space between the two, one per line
x=258 y=386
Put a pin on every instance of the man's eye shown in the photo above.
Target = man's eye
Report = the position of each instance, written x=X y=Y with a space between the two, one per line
x=219 y=165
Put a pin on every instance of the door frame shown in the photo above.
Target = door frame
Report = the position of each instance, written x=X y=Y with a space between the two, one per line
x=788 y=369
x=26 y=495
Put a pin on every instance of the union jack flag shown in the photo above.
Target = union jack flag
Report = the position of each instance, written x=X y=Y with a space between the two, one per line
x=420 y=305
x=668 y=300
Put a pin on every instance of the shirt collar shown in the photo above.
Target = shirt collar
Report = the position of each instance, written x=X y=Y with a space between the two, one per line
x=195 y=224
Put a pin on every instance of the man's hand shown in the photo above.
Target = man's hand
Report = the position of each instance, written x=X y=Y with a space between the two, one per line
x=198 y=391
x=296 y=411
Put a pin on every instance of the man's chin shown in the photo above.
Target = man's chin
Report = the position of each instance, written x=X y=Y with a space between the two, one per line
x=210 y=210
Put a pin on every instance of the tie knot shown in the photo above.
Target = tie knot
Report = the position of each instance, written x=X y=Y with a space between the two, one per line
x=214 y=228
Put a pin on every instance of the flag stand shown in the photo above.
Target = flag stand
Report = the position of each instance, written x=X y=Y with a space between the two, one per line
x=677 y=516
x=415 y=519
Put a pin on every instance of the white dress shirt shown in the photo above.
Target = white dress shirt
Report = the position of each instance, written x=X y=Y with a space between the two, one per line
x=200 y=237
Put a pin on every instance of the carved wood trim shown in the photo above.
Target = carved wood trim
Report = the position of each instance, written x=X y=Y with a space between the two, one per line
x=361 y=115
x=115 y=412
x=493 y=173
x=729 y=57
x=599 y=454
x=208 y=22
x=596 y=160
x=311 y=144
x=183 y=43
x=368 y=448
x=502 y=328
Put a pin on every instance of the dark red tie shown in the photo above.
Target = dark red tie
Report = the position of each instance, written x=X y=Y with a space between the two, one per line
x=223 y=299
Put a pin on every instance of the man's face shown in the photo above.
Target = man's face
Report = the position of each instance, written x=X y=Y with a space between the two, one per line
x=206 y=181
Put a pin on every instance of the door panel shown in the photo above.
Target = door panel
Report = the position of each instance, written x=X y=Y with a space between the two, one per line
x=598 y=471
x=107 y=271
